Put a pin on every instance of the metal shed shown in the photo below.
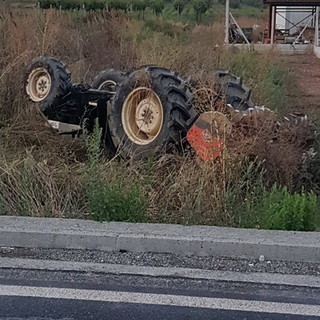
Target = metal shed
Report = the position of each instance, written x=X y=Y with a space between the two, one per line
x=293 y=21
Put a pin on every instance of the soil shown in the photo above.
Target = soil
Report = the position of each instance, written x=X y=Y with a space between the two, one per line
x=304 y=94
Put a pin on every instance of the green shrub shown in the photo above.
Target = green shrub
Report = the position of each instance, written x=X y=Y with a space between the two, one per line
x=76 y=4
x=156 y=5
x=114 y=200
x=200 y=7
x=252 y=3
x=277 y=209
x=179 y=5
x=284 y=211
x=166 y=27
x=118 y=4
x=139 y=5
x=235 y=4
x=95 y=5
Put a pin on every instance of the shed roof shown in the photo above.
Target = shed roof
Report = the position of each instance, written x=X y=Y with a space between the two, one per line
x=293 y=2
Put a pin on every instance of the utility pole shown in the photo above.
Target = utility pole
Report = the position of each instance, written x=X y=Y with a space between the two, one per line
x=226 y=39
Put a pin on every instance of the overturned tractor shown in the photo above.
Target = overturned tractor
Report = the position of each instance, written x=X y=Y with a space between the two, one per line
x=152 y=109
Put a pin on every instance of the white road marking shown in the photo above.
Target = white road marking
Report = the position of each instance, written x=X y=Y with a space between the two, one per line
x=161 y=299
x=254 y=277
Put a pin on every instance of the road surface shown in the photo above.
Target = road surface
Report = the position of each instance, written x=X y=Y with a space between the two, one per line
x=64 y=294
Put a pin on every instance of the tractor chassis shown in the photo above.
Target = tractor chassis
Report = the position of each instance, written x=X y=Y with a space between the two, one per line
x=80 y=103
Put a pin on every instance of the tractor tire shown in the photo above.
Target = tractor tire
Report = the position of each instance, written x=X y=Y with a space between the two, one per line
x=151 y=112
x=235 y=92
x=47 y=80
x=106 y=80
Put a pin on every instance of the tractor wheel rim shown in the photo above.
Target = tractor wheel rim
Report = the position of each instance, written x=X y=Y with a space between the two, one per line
x=38 y=84
x=108 y=85
x=142 y=115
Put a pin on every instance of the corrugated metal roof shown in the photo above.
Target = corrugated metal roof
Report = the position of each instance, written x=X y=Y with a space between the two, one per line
x=293 y=2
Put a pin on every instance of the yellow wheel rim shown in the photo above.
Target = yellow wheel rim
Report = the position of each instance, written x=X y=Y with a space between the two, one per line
x=142 y=115
x=38 y=84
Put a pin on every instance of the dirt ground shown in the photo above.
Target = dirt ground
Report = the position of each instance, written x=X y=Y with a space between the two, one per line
x=304 y=96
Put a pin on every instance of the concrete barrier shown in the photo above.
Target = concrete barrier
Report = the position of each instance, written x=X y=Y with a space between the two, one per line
x=159 y=238
x=288 y=49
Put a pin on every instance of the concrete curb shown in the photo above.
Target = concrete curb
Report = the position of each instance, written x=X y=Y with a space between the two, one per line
x=159 y=238
x=200 y=274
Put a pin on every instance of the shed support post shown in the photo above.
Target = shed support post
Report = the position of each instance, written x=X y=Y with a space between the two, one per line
x=269 y=22
x=273 y=23
x=227 y=22
x=316 y=33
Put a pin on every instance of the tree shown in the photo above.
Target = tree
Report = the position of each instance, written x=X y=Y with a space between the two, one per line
x=235 y=4
x=179 y=5
x=200 y=7
x=140 y=6
x=157 y=6
x=117 y=5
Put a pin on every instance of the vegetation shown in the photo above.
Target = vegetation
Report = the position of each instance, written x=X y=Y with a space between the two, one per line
x=116 y=199
x=43 y=174
x=179 y=10
x=275 y=208
x=285 y=211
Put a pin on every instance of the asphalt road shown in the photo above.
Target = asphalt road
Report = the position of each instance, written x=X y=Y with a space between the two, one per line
x=41 y=294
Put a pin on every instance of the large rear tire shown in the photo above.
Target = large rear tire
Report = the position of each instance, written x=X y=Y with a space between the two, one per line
x=151 y=112
x=108 y=79
x=232 y=88
x=47 y=80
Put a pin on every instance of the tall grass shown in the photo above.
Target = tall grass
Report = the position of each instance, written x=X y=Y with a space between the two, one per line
x=263 y=73
x=32 y=188
x=43 y=174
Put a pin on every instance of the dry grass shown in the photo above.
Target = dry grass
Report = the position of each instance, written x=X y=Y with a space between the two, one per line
x=188 y=191
x=33 y=188
x=43 y=174
x=92 y=43
x=190 y=53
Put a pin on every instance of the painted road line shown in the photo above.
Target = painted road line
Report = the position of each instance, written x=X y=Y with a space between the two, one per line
x=254 y=277
x=161 y=299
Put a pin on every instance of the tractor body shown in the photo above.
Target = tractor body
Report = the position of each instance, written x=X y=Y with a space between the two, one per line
x=152 y=110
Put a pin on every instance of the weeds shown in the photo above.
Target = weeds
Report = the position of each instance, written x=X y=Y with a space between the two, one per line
x=245 y=193
x=262 y=73
x=29 y=188
x=111 y=198
x=42 y=174
x=188 y=192
x=121 y=204
x=255 y=206
x=285 y=211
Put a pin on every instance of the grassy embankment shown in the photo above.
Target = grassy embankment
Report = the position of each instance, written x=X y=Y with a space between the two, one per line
x=42 y=174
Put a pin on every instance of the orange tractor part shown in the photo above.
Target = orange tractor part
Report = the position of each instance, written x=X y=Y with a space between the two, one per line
x=208 y=135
